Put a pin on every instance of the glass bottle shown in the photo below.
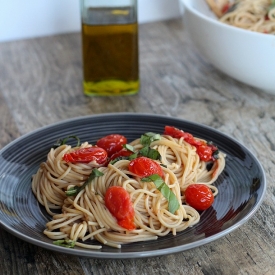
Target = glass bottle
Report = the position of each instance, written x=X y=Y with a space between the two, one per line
x=110 y=47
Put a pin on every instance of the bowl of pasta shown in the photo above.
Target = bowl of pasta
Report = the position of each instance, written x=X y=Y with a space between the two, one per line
x=236 y=36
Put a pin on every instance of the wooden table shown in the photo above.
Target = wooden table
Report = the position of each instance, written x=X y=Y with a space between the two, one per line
x=41 y=83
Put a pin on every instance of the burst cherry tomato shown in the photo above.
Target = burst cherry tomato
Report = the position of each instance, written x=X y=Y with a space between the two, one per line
x=112 y=143
x=199 y=196
x=118 y=202
x=86 y=155
x=177 y=133
x=145 y=167
x=204 y=150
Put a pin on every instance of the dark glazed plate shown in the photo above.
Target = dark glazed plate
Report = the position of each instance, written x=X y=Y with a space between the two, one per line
x=241 y=185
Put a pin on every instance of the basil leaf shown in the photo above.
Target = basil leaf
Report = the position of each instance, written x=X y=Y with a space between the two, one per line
x=148 y=138
x=232 y=8
x=63 y=141
x=76 y=189
x=173 y=203
x=128 y=147
x=216 y=154
x=131 y=157
x=272 y=6
x=117 y=159
x=65 y=243
x=150 y=153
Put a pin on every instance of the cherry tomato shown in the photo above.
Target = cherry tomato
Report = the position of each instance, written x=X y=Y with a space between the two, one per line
x=199 y=196
x=118 y=202
x=174 y=132
x=145 y=167
x=177 y=133
x=112 y=143
x=86 y=155
x=225 y=8
x=205 y=152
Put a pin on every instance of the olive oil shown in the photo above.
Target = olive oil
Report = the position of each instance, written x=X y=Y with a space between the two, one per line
x=110 y=59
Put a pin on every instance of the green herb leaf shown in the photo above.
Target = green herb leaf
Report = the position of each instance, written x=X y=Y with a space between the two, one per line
x=65 y=243
x=150 y=153
x=272 y=6
x=128 y=147
x=216 y=154
x=133 y=156
x=76 y=189
x=117 y=159
x=232 y=8
x=148 y=138
x=63 y=141
x=173 y=203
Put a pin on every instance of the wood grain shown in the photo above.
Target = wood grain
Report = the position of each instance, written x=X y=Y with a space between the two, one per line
x=41 y=83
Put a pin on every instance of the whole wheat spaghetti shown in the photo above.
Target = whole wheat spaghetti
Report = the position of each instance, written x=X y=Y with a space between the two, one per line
x=254 y=15
x=84 y=217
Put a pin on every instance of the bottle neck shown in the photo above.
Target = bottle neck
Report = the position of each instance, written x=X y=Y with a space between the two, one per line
x=105 y=12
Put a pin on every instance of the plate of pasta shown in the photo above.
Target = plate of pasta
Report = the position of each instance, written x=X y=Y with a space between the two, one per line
x=127 y=185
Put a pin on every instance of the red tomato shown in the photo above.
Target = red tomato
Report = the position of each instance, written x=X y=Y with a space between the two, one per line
x=145 y=167
x=199 y=196
x=174 y=132
x=86 y=155
x=205 y=152
x=225 y=8
x=112 y=143
x=118 y=202
x=177 y=133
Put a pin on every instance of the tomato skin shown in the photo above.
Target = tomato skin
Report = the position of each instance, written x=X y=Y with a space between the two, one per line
x=86 y=155
x=145 y=167
x=204 y=150
x=199 y=196
x=177 y=133
x=225 y=8
x=112 y=143
x=118 y=202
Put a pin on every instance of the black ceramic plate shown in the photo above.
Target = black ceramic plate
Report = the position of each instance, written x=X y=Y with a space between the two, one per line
x=241 y=185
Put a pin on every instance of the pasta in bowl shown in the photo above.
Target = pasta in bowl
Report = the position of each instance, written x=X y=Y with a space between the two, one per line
x=254 y=15
x=244 y=54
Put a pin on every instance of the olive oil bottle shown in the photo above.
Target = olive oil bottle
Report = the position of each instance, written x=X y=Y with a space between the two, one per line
x=110 y=48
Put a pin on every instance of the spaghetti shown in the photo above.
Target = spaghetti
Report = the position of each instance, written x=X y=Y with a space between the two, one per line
x=85 y=217
x=254 y=15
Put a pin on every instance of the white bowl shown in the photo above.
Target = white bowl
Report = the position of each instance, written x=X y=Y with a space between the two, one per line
x=244 y=55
